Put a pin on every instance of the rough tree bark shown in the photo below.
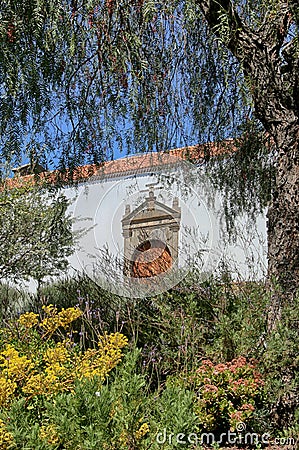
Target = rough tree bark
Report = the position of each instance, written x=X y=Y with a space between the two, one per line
x=271 y=64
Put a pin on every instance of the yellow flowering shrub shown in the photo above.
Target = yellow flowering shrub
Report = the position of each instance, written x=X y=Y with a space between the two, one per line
x=28 y=320
x=12 y=365
x=7 y=390
x=57 y=355
x=38 y=360
x=100 y=362
x=44 y=384
x=37 y=365
x=6 y=438
x=62 y=366
x=56 y=319
x=66 y=316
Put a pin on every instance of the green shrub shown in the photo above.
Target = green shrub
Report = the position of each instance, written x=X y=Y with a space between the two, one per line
x=280 y=365
x=13 y=300
x=227 y=394
x=217 y=320
x=39 y=362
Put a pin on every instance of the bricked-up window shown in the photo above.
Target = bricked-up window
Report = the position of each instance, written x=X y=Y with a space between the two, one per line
x=151 y=258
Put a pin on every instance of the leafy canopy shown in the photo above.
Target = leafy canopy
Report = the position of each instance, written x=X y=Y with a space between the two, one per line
x=81 y=79
x=35 y=233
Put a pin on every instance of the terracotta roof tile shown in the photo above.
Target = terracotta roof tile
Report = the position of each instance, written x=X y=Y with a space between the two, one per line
x=125 y=166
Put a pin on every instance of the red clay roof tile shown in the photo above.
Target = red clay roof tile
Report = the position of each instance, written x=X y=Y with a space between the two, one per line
x=125 y=166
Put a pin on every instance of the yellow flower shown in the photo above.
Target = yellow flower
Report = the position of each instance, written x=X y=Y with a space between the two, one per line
x=41 y=384
x=61 y=319
x=50 y=324
x=6 y=438
x=54 y=379
x=53 y=368
x=66 y=316
x=34 y=385
x=28 y=320
x=58 y=354
x=100 y=362
x=7 y=389
x=113 y=340
x=123 y=439
x=50 y=310
x=142 y=431
x=13 y=365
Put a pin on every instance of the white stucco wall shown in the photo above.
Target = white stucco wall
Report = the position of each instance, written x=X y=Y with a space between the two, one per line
x=98 y=207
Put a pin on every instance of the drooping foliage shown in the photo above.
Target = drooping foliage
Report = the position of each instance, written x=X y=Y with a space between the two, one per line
x=80 y=80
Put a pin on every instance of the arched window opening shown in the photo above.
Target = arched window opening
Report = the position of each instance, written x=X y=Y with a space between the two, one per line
x=150 y=259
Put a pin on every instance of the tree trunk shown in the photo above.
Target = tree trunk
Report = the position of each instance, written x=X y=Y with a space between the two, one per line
x=283 y=224
x=274 y=85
